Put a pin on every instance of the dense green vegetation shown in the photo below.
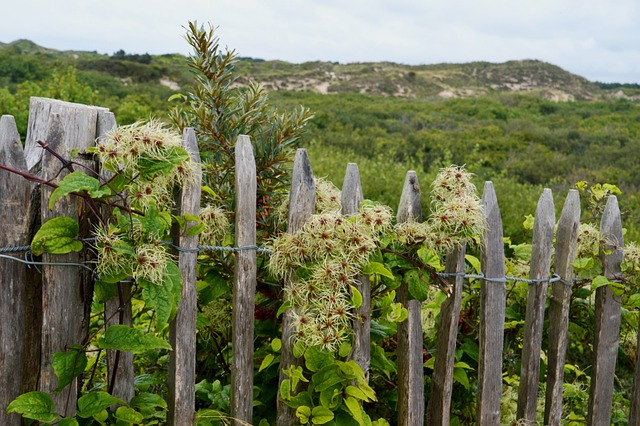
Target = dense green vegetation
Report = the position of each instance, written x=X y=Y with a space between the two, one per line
x=503 y=121
x=521 y=140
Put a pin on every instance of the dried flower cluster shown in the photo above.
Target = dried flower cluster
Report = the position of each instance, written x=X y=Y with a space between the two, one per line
x=150 y=163
x=152 y=159
x=589 y=240
x=320 y=264
x=216 y=225
x=456 y=214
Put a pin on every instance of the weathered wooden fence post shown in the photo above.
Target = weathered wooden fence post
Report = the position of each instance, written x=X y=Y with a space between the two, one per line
x=301 y=206
x=492 y=309
x=439 y=407
x=361 y=351
x=244 y=289
x=566 y=248
x=410 y=369
x=62 y=301
x=14 y=193
x=542 y=245
x=607 y=320
x=182 y=330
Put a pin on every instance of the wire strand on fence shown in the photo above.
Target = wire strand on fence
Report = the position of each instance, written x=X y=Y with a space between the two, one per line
x=18 y=249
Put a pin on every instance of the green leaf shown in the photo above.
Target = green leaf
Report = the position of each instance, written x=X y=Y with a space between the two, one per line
x=285 y=389
x=146 y=402
x=158 y=297
x=93 y=403
x=583 y=263
x=356 y=297
x=195 y=229
x=283 y=308
x=303 y=413
x=344 y=349
x=34 y=405
x=68 y=365
x=430 y=257
x=321 y=415
x=57 y=236
x=69 y=421
x=129 y=415
x=299 y=348
x=77 y=182
x=266 y=362
x=356 y=411
x=460 y=376
x=356 y=393
x=156 y=223
x=418 y=288
x=296 y=374
x=316 y=359
x=380 y=362
x=474 y=262
x=127 y=339
x=171 y=157
x=331 y=397
x=214 y=287
x=599 y=281
x=276 y=344
x=377 y=268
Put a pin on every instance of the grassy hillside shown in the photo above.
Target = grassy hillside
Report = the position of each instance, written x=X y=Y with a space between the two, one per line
x=523 y=124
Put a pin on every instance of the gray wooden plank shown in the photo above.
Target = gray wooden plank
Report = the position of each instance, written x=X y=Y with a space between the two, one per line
x=542 y=246
x=182 y=330
x=439 y=406
x=351 y=199
x=15 y=193
x=560 y=301
x=245 y=284
x=607 y=320
x=409 y=362
x=492 y=309
x=62 y=301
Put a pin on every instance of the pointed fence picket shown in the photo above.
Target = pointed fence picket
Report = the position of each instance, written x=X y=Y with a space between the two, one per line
x=58 y=314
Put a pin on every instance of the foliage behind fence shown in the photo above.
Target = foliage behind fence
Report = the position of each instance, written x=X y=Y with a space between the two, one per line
x=47 y=310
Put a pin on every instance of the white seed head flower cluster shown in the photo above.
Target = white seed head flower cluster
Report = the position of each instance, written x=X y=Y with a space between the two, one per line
x=589 y=240
x=130 y=150
x=457 y=215
x=319 y=264
x=146 y=259
x=216 y=225
x=632 y=257
x=151 y=159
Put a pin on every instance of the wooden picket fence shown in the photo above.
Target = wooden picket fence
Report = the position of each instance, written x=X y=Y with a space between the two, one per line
x=44 y=310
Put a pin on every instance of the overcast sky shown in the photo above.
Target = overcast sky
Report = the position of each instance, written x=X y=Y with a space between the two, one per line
x=597 y=39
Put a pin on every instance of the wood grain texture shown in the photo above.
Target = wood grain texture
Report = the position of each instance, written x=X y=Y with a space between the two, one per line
x=351 y=199
x=62 y=299
x=15 y=193
x=492 y=309
x=410 y=369
x=607 y=320
x=542 y=246
x=80 y=123
x=182 y=330
x=301 y=206
x=566 y=249
x=244 y=289
x=439 y=407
